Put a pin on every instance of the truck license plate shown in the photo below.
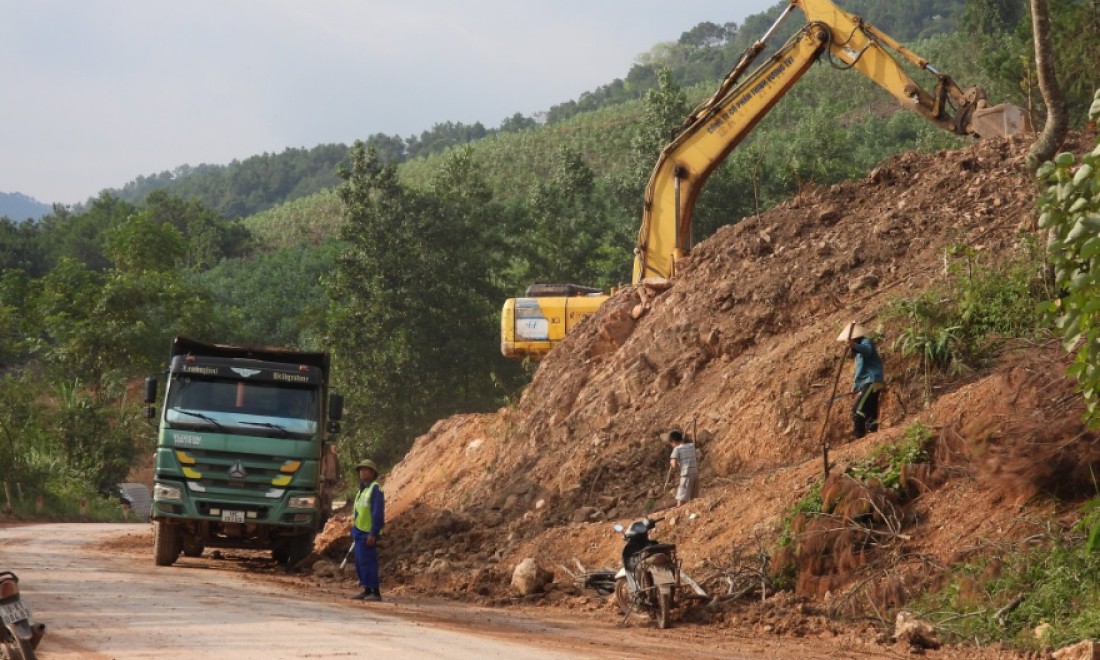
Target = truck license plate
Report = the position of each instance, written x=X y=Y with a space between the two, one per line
x=12 y=612
x=233 y=516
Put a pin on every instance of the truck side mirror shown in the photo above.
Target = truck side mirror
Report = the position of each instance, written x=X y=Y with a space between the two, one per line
x=335 y=407
x=335 y=412
x=150 y=396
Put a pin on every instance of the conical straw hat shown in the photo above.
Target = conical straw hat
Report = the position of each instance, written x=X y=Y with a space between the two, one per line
x=857 y=331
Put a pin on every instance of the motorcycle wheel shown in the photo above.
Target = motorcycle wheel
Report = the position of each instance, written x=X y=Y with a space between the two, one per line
x=17 y=649
x=622 y=595
x=664 y=604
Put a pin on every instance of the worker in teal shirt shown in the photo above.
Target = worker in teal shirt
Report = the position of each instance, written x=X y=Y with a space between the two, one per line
x=366 y=529
x=868 y=382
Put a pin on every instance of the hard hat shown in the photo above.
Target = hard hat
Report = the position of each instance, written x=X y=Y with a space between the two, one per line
x=367 y=463
x=852 y=331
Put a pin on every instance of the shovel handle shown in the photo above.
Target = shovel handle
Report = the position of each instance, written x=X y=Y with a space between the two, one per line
x=350 y=549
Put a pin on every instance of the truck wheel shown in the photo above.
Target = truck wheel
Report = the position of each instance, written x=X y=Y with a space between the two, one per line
x=166 y=543
x=299 y=548
x=281 y=552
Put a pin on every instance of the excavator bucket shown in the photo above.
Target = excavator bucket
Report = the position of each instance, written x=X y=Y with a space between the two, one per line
x=998 y=121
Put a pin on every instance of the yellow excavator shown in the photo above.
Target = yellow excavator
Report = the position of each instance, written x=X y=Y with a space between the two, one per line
x=532 y=325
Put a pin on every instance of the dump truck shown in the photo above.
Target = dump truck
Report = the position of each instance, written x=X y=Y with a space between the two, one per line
x=245 y=454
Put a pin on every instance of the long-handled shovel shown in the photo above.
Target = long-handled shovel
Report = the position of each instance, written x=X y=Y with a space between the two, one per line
x=345 y=562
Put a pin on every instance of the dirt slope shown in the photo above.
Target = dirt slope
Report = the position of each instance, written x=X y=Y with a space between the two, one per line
x=741 y=353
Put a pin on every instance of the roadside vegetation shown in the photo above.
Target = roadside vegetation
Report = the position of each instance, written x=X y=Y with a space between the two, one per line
x=983 y=301
x=847 y=520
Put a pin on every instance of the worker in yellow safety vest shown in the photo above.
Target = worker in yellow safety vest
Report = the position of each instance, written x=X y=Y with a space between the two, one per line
x=366 y=529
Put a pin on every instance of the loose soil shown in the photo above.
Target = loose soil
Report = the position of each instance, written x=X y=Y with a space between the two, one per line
x=740 y=352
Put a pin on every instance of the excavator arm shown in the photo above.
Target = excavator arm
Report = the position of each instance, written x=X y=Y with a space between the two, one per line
x=715 y=129
x=531 y=326
x=717 y=126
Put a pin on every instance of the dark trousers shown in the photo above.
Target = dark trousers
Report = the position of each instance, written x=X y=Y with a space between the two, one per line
x=366 y=561
x=865 y=410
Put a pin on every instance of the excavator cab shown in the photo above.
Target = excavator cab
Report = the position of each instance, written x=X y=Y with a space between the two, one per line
x=530 y=326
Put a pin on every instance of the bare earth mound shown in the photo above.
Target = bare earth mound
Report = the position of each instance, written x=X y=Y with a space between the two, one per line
x=741 y=353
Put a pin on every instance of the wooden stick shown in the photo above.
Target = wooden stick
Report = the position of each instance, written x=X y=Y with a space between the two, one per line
x=699 y=591
x=829 y=407
x=1000 y=615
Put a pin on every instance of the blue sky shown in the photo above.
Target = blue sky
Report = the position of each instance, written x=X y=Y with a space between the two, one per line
x=97 y=93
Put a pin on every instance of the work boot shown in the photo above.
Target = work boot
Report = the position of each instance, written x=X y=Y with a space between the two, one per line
x=374 y=595
x=366 y=595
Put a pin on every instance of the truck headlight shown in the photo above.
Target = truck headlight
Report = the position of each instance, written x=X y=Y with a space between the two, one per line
x=302 y=502
x=163 y=492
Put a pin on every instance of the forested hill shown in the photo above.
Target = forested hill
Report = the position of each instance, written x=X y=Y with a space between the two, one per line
x=701 y=55
x=19 y=207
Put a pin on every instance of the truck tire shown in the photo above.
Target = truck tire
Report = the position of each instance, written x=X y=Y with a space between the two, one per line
x=299 y=548
x=166 y=543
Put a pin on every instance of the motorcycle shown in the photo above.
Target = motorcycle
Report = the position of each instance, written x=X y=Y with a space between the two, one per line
x=650 y=575
x=18 y=636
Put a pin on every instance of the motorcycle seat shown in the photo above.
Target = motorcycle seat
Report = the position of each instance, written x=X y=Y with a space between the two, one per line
x=657 y=548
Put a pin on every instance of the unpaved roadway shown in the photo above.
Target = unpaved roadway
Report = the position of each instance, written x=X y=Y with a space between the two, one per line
x=100 y=605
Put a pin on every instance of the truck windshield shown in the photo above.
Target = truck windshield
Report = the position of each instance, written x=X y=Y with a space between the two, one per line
x=234 y=406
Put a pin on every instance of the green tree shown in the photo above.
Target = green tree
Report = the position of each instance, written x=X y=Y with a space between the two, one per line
x=390 y=148
x=139 y=245
x=1070 y=210
x=273 y=298
x=516 y=123
x=573 y=236
x=15 y=327
x=412 y=324
x=81 y=236
x=96 y=327
x=21 y=247
x=665 y=108
x=208 y=238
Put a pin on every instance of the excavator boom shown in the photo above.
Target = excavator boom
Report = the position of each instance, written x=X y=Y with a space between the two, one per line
x=717 y=126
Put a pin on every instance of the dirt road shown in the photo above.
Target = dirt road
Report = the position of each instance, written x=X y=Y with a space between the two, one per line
x=100 y=604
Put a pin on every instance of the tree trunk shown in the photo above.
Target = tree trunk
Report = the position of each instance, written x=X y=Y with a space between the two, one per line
x=1057 y=124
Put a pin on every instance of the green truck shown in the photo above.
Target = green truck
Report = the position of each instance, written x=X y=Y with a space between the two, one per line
x=245 y=455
